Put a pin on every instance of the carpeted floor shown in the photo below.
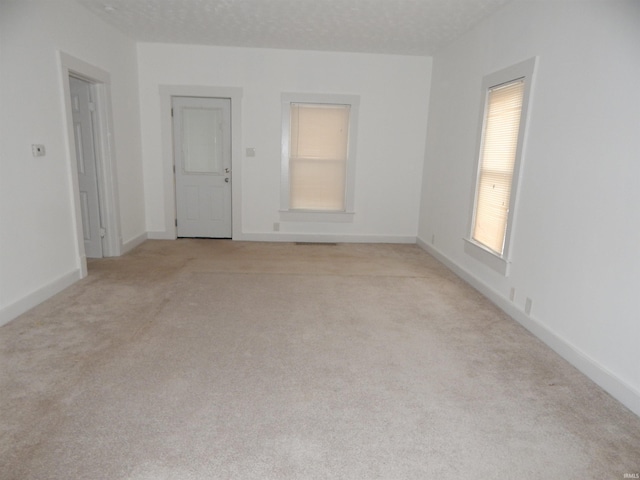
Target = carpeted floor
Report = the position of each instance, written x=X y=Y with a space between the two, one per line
x=201 y=359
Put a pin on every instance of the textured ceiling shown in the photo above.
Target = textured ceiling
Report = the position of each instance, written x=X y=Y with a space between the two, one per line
x=409 y=27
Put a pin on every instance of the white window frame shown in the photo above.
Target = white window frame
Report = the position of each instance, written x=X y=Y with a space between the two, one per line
x=524 y=70
x=289 y=214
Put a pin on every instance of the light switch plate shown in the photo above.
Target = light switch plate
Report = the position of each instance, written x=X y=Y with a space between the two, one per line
x=251 y=152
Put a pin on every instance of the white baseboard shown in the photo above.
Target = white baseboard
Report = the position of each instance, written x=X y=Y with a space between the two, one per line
x=324 y=238
x=609 y=381
x=133 y=243
x=21 y=306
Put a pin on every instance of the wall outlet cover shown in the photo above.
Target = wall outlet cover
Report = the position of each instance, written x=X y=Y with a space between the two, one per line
x=527 y=306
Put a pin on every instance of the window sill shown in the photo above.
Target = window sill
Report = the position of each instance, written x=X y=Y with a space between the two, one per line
x=486 y=256
x=316 y=216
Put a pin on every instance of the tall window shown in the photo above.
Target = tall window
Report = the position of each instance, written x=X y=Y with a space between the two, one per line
x=497 y=161
x=506 y=95
x=318 y=153
x=318 y=147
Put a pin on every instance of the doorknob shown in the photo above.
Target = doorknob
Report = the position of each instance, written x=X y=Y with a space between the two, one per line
x=226 y=179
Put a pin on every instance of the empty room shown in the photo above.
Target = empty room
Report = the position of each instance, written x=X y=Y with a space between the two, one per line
x=296 y=239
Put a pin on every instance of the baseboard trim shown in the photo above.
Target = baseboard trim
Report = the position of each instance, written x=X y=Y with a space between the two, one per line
x=14 y=310
x=324 y=238
x=607 y=380
x=133 y=243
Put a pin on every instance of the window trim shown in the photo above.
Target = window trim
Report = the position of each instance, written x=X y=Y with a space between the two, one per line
x=290 y=214
x=523 y=70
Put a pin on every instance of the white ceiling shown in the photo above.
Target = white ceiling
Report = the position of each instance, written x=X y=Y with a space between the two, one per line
x=409 y=27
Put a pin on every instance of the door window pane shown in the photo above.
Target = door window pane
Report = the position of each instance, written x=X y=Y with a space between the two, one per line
x=202 y=140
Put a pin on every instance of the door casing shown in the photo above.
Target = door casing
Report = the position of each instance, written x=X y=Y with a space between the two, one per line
x=169 y=195
x=105 y=156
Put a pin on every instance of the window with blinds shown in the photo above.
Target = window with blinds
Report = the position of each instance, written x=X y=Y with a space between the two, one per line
x=497 y=160
x=318 y=154
x=501 y=137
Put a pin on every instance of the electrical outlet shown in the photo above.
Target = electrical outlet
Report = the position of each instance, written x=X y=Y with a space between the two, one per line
x=276 y=227
x=527 y=306
x=512 y=294
x=433 y=239
x=37 y=150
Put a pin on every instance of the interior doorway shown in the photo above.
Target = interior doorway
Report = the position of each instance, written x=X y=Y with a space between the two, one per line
x=94 y=194
x=82 y=110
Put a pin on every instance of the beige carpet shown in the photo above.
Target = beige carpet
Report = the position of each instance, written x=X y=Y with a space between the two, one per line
x=201 y=359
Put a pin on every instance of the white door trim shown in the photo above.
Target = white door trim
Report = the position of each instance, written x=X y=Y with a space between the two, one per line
x=233 y=93
x=105 y=155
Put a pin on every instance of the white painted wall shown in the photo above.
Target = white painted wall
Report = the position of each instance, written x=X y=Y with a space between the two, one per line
x=38 y=252
x=576 y=242
x=393 y=91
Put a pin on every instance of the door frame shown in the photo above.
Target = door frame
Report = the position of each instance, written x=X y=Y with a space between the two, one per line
x=170 y=212
x=105 y=155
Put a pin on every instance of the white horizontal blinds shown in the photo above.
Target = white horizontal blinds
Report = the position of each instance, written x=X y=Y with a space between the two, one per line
x=318 y=156
x=497 y=160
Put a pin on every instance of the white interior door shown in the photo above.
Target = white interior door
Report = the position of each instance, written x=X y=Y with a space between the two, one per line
x=82 y=108
x=202 y=152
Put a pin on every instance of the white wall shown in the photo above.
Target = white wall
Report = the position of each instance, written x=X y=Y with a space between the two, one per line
x=38 y=251
x=576 y=240
x=393 y=93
